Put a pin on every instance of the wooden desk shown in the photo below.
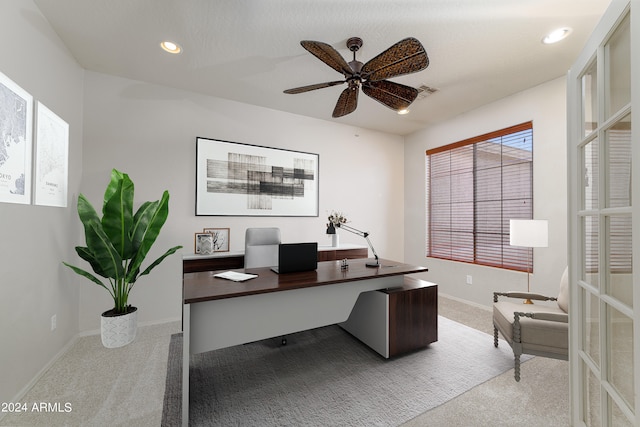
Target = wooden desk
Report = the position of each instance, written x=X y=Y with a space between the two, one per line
x=218 y=313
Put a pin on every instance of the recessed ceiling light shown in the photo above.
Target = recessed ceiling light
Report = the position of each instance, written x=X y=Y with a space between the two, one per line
x=403 y=111
x=171 y=47
x=557 y=35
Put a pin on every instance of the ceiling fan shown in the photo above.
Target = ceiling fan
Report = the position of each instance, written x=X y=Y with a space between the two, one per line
x=405 y=57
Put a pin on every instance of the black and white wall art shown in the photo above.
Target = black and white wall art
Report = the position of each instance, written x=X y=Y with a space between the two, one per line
x=249 y=180
x=16 y=142
x=52 y=146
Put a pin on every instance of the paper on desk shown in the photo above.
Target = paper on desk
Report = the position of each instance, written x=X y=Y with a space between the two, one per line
x=235 y=276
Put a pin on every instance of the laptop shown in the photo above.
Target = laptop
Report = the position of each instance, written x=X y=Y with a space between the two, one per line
x=295 y=257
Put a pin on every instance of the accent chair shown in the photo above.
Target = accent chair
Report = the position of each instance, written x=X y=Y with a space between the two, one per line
x=537 y=329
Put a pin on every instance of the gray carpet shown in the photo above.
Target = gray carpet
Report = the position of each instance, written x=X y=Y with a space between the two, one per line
x=325 y=377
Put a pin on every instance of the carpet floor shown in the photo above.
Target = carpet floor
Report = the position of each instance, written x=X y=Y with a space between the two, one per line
x=126 y=387
x=326 y=377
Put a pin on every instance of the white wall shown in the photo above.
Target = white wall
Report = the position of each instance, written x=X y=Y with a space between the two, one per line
x=34 y=285
x=545 y=105
x=149 y=132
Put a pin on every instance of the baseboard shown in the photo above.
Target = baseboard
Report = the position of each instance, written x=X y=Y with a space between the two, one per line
x=160 y=322
x=464 y=301
x=92 y=332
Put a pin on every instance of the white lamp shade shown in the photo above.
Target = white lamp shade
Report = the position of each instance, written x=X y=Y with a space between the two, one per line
x=529 y=233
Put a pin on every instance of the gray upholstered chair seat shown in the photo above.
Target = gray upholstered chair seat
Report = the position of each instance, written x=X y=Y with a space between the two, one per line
x=538 y=329
x=535 y=334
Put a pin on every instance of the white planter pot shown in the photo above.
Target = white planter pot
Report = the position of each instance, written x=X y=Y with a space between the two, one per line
x=118 y=331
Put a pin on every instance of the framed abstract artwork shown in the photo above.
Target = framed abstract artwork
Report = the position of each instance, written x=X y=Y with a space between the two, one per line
x=234 y=179
x=16 y=142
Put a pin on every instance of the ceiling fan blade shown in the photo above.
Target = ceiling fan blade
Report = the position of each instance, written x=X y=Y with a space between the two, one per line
x=328 y=55
x=393 y=95
x=347 y=102
x=405 y=57
x=302 y=89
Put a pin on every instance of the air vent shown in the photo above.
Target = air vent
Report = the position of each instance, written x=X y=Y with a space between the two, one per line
x=424 y=91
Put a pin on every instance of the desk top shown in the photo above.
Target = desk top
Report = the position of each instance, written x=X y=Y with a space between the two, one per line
x=202 y=286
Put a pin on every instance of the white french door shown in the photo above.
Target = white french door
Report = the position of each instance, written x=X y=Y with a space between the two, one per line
x=604 y=220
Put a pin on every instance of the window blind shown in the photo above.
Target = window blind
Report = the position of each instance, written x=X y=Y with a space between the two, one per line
x=619 y=228
x=474 y=187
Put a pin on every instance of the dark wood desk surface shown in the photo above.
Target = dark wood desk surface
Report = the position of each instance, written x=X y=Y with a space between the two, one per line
x=202 y=286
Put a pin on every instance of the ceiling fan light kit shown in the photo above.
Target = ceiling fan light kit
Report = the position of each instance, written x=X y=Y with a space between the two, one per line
x=405 y=57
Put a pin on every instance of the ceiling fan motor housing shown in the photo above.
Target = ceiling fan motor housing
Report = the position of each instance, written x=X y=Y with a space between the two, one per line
x=356 y=66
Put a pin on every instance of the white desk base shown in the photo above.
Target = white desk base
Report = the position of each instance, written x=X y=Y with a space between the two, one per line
x=221 y=323
x=369 y=321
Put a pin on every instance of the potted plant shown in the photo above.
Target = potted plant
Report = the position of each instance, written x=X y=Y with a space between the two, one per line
x=116 y=246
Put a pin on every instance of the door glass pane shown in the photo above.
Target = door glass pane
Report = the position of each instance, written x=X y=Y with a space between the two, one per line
x=591 y=390
x=618 y=419
x=618 y=58
x=589 y=99
x=619 y=269
x=591 y=323
x=620 y=348
x=618 y=163
x=604 y=356
x=590 y=239
x=591 y=173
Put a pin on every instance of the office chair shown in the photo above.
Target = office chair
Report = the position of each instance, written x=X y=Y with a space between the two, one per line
x=261 y=250
x=261 y=247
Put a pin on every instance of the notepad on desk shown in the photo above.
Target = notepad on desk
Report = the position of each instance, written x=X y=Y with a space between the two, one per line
x=235 y=276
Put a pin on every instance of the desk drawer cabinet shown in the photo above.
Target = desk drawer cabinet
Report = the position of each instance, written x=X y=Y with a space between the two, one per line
x=233 y=261
x=396 y=320
x=210 y=263
x=413 y=318
x=337 y=254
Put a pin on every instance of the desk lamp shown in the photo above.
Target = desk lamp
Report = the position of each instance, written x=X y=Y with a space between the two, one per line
x=528 y=233
x=364 y=234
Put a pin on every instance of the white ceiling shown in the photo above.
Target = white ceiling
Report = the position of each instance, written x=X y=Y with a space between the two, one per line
x=249 y=50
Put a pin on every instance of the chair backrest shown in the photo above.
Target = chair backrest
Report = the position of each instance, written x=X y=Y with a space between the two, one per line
x=563 y=296
x=261 y=247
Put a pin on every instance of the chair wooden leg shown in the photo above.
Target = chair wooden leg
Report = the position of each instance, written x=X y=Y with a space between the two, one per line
x=495 y=336
x=517 y=367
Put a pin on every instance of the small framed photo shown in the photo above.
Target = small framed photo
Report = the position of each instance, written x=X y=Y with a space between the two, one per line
x=220 y=238
x=203 y=243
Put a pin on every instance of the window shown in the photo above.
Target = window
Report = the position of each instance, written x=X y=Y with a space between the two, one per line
x=474 y=187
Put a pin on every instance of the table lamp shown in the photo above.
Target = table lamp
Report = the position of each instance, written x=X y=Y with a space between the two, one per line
x=529 y=233
x=364 y=234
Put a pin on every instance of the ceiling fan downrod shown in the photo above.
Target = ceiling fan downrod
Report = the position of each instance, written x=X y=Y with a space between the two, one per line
x=355 y=43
